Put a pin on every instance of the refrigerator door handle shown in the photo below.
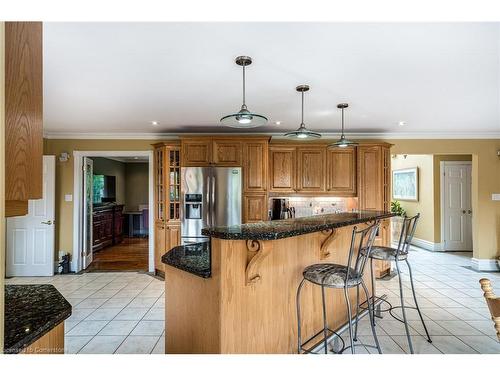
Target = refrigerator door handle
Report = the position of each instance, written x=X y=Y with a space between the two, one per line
x=208 y=209
x=213 y=200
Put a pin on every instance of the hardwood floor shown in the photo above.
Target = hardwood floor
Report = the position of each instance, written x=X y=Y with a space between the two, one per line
x=130 y=255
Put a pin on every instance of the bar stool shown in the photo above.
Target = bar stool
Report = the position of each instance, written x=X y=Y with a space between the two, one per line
x=398 y=255
x=337 y=276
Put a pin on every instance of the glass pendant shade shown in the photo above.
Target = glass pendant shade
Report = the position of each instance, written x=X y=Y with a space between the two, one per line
x=243 y=119
x=302 y=132
x=343 y=142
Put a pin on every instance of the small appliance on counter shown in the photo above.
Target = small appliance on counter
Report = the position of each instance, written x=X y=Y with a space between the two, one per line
x=281 y=209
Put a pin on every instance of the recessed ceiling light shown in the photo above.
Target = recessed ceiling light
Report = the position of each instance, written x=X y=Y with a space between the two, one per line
x=402 y=123
x=155 y=123
x=278 y=122
x=136 y=157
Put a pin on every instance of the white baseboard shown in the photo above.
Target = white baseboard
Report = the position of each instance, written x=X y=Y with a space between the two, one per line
x=485 y=264
x=427 y=245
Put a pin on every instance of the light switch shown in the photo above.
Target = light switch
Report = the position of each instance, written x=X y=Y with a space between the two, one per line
x=495 y=197
x=68 y=198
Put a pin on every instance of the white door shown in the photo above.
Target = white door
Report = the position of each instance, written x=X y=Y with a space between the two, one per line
x=30 y=238
x=457 y=214
x=88 y=198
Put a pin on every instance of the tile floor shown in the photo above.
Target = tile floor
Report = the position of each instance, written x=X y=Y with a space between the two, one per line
x=113 y=312
x=123 y=312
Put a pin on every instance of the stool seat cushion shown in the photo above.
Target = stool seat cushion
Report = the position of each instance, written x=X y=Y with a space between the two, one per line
x=331 y=275
x=385 y=253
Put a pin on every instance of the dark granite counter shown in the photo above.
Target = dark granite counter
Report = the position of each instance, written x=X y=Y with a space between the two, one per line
x=30 y=312
x=192 y=258
x=274 y=230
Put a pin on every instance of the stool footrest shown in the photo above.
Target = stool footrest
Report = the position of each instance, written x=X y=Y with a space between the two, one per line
x=321 y=332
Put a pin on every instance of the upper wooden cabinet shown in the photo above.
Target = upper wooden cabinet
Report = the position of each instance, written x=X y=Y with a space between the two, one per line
x=23 y=115
x=197 y=152
x=201 y=152
x=255 y=207
x=373 y=177
x=341 y=172
x=282 y=168
x=226 y=152
x=255 y=155
x=311 y=169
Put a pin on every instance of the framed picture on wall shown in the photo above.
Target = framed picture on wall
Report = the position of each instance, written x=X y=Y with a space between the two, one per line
x=405 y=184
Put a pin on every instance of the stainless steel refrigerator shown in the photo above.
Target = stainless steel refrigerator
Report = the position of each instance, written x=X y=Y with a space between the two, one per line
x=210 y=196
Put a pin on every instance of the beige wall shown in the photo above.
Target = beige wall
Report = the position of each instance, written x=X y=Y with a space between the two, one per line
x=109 y=167
x=2 y=180
x=485 y=181
x=425 y=203
x=64 y=177
x=437 y=189
x=136 y=185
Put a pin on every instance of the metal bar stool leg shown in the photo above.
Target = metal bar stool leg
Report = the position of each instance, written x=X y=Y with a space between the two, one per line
x=357 y=314
x=403 y=308
x=371 y=313
x=373 y=286
x=299 y=339
x=325 y=324
x=416 y=303
x=349 y=318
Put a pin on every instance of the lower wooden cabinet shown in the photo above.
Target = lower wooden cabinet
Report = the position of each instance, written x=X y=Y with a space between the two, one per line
x=107 y=226
x=167 y=236
x=254 y=208
x=50 y=343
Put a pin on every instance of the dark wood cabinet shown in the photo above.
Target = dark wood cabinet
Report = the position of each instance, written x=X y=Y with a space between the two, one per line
x=107 y=226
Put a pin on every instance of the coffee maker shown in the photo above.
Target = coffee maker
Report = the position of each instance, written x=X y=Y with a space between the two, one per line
x=280 y=209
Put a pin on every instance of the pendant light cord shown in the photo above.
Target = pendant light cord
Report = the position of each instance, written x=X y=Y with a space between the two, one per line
x=342 y=122
x=302 y=122
x=244 y=104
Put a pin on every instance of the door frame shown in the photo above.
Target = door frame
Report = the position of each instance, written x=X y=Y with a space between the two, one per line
x=77 y=262
x=442 y=165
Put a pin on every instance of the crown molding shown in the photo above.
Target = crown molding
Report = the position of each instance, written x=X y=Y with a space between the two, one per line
x=274 y=135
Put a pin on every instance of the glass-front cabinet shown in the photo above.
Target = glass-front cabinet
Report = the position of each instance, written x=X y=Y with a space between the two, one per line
x=167 y=199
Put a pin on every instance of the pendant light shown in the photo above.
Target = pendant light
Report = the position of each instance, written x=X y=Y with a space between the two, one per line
x=343 y=141
x=302 y=132
x=243 y=119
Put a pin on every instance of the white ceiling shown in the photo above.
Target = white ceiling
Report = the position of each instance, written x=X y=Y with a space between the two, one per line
x=117 y=77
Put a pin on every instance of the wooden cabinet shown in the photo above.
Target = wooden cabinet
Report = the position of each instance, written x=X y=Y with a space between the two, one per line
x=23 y=115
x=167 y=194
x=50 y=343
x=107 y=226
x=197 y=152
x=282 y=169
x=201 y=152
x=311 y=169
x=341 y=172
x=255 y=155
x=374 y=191
x=226 y=152
x=255 y=207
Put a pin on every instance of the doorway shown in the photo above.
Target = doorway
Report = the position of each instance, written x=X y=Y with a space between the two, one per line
x=456 y=205
x=112 y=231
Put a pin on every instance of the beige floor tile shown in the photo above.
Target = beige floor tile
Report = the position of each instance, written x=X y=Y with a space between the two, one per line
x=451 y=345
x=118 y=328
x=104 y=314
x=459 y=327
x=89 y=303
x=420 y=345
x=72 y=344
x=87 y=328
x=102 y=345
x=148 y=328
x=160 y=346
x=138 y=345
x=130 y=313
x=483 y=344
x=156 y=313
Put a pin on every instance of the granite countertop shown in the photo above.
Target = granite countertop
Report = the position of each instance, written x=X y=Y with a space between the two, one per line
x=274 y=230
x=30 y=312
x=192 y=258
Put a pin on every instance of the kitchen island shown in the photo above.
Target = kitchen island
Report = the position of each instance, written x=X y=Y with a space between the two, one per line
x=236 y=294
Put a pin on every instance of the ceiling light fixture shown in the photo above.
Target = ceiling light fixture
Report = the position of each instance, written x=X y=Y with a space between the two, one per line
x=343 y=141
x=243 y=119
x=278 y=122
x=155 y=123
x=302 y=132
x=402 y=123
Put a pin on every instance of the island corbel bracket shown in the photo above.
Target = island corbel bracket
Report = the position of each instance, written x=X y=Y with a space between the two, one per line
x=261 y=250
x=331 y=234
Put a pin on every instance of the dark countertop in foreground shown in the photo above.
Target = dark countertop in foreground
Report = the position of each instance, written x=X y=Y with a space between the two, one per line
x=192 y=258
x=274 y=230
x=30 y=312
